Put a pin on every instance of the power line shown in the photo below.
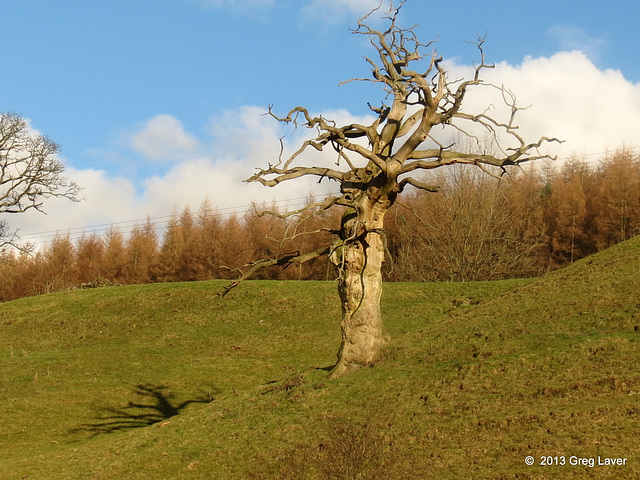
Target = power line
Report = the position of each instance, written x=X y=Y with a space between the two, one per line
x=225 y=211
x=161 y=222
x=580 y=157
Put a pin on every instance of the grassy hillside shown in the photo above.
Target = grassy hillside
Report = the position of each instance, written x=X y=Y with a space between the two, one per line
x=169 y=381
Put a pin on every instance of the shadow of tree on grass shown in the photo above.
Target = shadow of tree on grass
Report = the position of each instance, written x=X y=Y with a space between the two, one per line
x=153 y=404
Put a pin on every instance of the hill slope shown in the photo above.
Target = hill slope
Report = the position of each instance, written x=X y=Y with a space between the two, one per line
x=167 y=381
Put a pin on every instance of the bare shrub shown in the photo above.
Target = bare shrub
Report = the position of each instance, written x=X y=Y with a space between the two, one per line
x=345 y=450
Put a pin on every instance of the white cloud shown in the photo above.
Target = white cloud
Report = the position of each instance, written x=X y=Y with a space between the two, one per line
x=105 y=200
x=570 y=37
x=249 y=136
x=245 y=133
x=243 y=140
x=570 y=98
x=567 y=96
x=163 y=138
x=190 y=182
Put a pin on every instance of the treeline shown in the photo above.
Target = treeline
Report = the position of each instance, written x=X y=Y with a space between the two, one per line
x=476 y=228
x=200 y=246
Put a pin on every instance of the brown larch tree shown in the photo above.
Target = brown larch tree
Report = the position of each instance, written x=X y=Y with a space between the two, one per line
x=566 y=214
x=207 y=242
x=618 y=199
x=90 y=259
x=142 y=254
x=60 y=261
x=114 y=256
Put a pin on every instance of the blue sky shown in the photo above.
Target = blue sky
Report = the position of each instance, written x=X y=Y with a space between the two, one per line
x=157 y=103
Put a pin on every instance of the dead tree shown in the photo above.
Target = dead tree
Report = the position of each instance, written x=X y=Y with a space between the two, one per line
x=30 y=172
x=376 y=162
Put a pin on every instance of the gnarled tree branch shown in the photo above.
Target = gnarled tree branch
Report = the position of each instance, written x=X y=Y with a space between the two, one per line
x=30 y=171
x=282 y=261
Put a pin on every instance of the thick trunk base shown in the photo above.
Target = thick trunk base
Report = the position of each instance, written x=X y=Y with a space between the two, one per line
x=360 y=289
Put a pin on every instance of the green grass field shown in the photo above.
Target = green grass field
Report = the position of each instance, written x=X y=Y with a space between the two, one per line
x=168 y=381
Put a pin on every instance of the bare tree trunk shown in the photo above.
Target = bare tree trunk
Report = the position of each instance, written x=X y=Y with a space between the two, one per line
x=359 y=256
